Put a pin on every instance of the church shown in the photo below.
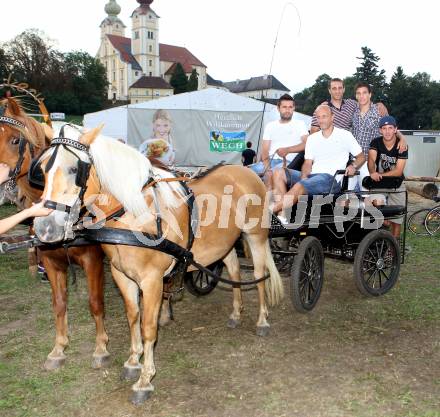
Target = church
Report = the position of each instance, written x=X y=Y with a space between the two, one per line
x=139 y=68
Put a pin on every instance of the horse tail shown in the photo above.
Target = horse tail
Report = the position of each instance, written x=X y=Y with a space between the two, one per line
x=274 y=285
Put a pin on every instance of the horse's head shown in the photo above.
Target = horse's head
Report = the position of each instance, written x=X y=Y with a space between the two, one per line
x=20 y=137
x=66 y=167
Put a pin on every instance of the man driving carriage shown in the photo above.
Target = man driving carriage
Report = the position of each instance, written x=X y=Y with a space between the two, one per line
x=326 y=152
x=282 y=139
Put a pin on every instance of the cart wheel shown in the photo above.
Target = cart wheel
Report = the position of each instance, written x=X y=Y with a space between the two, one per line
x=432 y=221
x=416 y=222
x=307 y=275
x=199 y=283
x=377 y=263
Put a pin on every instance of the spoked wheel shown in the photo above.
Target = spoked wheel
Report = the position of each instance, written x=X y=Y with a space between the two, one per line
x=199 y=283
x=416 y=222
x=432 y=221
x=307 y=275
x=377 y=263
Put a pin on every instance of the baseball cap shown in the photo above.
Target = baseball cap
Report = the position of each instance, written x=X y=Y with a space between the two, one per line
x=387 y=120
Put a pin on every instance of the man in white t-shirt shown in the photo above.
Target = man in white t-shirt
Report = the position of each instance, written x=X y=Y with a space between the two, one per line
x=282 y=138
x=326 y=152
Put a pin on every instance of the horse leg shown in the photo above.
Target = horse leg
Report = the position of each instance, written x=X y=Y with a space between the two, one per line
x=95 y=280
x=258 y=250
x=233 y=267
x=166 y=312
x=58 y=281
x=152 y=288
x=130 y=292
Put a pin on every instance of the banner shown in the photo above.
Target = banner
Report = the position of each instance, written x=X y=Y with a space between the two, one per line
x=227 y=141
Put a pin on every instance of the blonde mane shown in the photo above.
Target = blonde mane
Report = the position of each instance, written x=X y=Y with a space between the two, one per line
x=123 y=172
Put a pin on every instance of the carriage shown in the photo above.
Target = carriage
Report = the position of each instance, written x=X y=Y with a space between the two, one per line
x=299 y=247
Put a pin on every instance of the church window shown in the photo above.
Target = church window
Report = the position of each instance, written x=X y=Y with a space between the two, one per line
x=136 y=73
x=136 y=35
x=113 y=64
x=117 y=26
x=150 y=48
x=150 y=35
x=122 y=74
x=150 y=17
x=151 y=62
x=114 y=75
x=151 y=73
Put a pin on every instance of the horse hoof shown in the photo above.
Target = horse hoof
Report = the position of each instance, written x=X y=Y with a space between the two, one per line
x=101 y=361
x=139 y=397
x=263 y=331
x=233 y=324
x=54 y=363
x=131 y=373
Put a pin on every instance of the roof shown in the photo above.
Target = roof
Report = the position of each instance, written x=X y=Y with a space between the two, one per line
x=123 y=45
x=255 y=84
x=180 y=54
x=187 y=68
x=211 y=81
x=168 y=53
x=151 y=82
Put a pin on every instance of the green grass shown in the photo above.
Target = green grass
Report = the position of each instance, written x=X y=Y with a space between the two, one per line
x=363 y=344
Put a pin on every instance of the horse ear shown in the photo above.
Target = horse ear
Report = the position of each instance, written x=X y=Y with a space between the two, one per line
x=48 y=132
x=91 y=135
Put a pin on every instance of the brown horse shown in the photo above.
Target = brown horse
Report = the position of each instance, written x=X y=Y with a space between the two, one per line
x=20 y=137
x=120 y=171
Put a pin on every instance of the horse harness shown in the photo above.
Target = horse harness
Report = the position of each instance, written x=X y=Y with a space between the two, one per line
x=14 y=174
x=116 y=236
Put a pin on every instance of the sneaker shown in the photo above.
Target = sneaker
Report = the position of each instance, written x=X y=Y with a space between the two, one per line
x=41 y=269
x=44 y=278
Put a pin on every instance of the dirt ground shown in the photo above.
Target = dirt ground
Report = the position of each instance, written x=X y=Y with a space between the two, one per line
x=350 y=356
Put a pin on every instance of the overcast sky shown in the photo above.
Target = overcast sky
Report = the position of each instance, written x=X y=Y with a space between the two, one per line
x=235 y=38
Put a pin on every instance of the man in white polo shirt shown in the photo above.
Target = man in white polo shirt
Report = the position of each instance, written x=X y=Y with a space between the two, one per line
x=282 y=138
x=326 y=152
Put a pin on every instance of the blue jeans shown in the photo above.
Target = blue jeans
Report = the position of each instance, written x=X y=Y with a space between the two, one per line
x=258 y=168
x=315 y=184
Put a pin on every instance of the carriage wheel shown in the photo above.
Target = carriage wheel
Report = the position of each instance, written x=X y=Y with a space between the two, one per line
x=377 y=263
x=199 y=283
x=432 y=221
x=307 y=275
x=416 y=222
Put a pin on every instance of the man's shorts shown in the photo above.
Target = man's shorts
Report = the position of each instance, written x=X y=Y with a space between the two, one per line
x=315 y=184
x=258 y=168
x=395 y=198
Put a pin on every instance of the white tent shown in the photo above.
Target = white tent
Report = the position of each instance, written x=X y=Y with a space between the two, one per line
x=195 y=116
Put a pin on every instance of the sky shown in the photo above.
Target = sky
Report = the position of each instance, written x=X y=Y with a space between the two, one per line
x=235 y=38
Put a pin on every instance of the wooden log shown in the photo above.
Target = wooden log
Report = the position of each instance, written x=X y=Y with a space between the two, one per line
x=423 y=179
x=426 y=190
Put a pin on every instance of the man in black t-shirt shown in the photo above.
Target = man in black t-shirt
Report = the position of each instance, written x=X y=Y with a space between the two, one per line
x=248 y=156
x=384 y=160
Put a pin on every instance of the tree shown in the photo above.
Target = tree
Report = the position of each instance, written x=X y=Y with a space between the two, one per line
x=397 y=92
x=193 y=82
x=179 y=80
x=369 y=72
x=5 y=65
x=88 y=80
x=312 y=97
x=34 y=60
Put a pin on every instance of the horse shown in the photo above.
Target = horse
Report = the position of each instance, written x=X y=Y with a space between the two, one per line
x=21 y=138
x=121 y=172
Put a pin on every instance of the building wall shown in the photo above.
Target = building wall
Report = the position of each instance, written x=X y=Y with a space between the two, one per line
x=272 y=93
x=139 y=95
x=145 y=42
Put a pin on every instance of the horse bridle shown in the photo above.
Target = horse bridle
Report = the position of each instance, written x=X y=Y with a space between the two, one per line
x=83 y=170
x=14 y=174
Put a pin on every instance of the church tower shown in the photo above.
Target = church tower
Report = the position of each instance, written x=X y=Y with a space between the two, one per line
x=112 y=25
x=145 y=38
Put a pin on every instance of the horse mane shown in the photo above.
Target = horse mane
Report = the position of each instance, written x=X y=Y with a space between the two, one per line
x=33 y=132
x=123 y=172
x=208 y=171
